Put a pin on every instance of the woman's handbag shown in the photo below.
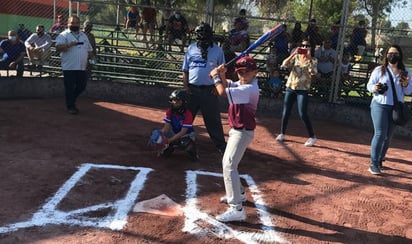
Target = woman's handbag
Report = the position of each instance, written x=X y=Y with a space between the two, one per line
x=400 y=112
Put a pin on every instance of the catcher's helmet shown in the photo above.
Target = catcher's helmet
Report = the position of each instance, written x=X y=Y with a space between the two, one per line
x=181 y=95
x=204 y=32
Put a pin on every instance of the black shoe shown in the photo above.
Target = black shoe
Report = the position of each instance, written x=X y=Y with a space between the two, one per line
x=374 y=170
x=72 y=110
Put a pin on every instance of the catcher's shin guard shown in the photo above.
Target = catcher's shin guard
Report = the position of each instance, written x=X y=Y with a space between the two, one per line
x=190 y=147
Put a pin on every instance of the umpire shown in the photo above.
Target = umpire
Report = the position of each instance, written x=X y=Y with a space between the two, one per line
x=200 y=58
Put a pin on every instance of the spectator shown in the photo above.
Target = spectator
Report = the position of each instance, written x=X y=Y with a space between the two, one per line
x=243 y=98
x=281 y=43
x=302 y=67
x=87 y=29
x=275 y=82
x=346 y=66
x=13 y=51
x=59 y=26
x=132 y=20
x=326 y=57
x=23 y=33
x=297 y=36
x=177 y=28
x=178 y=126
x=239 y=37
x=313 y=35
x=38 y=47
x=242 y=19
x=200 y=58
x=75 y=50
x=335 y=35
x=358 y=39
x=271 y=59
x=396 y=77
x=148 y=20
x=229 y=55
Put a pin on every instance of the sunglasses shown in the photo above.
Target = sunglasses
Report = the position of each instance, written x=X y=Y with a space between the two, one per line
x=305 y=46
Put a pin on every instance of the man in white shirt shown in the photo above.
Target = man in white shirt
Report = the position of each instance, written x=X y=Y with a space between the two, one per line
x=326 y=57
x=75 y=51
x=38 y=47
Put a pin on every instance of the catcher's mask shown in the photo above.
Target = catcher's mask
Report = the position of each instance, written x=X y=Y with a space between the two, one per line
x=178 y=95
x=204 y=36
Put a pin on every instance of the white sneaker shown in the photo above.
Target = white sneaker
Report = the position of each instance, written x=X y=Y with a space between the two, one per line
x=280 y=137
x=232 y=214
x=242 y=198
x=311 y=141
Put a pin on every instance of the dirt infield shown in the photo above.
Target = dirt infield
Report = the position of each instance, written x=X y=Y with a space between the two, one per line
x=322 y=194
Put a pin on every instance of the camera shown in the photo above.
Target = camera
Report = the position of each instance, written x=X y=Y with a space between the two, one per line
x=80 y=43
x=302 y=51
x=382 y=88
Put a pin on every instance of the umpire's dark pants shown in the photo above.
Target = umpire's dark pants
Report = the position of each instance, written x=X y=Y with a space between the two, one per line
x=75 y=82
x=205 y=98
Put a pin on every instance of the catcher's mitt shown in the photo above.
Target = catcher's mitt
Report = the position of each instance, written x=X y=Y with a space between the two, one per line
x=157 y=141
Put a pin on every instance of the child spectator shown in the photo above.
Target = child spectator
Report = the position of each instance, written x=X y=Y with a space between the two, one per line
x=148 y=20
x=271 y=60
x=132 y=20
x=275 y=82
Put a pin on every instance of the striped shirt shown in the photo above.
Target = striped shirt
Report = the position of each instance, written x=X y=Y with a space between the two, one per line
x=76 y=57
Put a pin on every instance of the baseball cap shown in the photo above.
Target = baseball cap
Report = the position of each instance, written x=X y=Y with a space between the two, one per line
x=245 y=63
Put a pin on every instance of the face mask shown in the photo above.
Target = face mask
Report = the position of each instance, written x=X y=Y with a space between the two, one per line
x=177 y=16
x=393 y=59
x=12 y=38
x=40 y=33
x=74 y=28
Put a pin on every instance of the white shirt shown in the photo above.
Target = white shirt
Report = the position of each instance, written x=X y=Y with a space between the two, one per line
x=44 y=42
x=76 y=57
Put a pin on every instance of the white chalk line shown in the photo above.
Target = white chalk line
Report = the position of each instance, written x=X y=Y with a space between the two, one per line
x=193 y=215
x=48 y=214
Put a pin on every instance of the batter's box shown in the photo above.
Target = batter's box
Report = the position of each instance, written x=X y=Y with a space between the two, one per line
x=202 y=224
x=62 y=208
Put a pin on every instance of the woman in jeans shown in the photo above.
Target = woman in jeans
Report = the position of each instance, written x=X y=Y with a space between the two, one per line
x=302 y=67
x=382 y=102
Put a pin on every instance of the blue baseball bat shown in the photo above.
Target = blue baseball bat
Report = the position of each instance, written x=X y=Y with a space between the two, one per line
x=262 y=39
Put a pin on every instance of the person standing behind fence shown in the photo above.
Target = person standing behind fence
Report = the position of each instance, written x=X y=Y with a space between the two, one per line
x=379 y=85
x=132 y=20
x=148 y=20
x=200 y=58
x=38 y=47
x=302 y=68
x=75 y=50
x=87 y=29
x=59 y=26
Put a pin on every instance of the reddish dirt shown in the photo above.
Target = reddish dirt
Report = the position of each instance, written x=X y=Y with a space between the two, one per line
x=322 y=194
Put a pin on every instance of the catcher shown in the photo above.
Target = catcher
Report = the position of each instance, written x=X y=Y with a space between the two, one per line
x=177 y=131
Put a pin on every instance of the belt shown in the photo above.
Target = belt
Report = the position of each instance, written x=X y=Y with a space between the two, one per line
x=201 y=86
x=242 y=128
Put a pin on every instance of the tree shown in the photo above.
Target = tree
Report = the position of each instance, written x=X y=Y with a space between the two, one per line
x=377 y=9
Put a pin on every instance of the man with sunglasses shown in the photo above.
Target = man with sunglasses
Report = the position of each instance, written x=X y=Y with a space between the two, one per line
x=243 y=97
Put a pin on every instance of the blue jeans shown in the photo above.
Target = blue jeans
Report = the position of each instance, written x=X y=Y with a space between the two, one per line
x=301 y=96
x=383 y=131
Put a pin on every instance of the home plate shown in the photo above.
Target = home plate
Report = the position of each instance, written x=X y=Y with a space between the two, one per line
x=162 y=205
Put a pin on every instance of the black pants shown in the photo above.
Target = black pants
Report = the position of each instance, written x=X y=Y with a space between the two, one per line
x=75 y=82
x=202 y=98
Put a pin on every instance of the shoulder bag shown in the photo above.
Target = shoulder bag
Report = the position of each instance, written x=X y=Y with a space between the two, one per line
x=400 y=112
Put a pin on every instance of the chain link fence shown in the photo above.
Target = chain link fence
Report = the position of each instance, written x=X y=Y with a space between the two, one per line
x=129 y=55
